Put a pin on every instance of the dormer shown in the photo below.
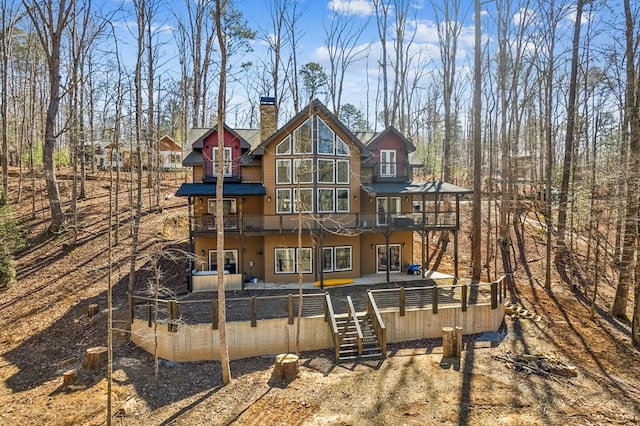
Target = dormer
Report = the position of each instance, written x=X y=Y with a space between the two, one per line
x=234 y=147
x=390 y=156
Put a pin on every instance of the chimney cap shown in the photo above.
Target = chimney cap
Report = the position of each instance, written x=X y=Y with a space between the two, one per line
x=267 y=100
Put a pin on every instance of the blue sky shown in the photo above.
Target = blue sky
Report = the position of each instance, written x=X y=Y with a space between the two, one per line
x=316 y=14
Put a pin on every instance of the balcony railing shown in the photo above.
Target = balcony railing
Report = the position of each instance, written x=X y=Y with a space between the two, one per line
x=333 y=222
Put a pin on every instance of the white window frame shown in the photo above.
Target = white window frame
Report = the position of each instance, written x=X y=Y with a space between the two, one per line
x=295 y=135
x=335 y=255
x=388 y=160
x=319 y=124
x=338 y=162
x=290 y=258
x=294 y=256
x=328 y=164
x=299 y=260
x=288 y=167
x=213 y=259
x=295 y=197
x=337 y=204
x=332 y=198
x=330 y=251
x=288 y=204
x=284 y=147
x=342 y=148
x=297 y=164
x=231 y=223
x=228 y=163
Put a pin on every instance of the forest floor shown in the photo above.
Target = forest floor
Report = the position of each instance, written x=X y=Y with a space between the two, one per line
x=45 y=330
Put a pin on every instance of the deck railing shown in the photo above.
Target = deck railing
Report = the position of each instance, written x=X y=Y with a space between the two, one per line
x=235 y=223
x=376 y=321
x=174 y=312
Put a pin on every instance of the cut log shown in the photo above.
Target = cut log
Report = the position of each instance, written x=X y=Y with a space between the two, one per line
x=452 y=342
x=448 y=342
x=69 y=377
x=92 y=310
x=95 y=358
x=286 y=367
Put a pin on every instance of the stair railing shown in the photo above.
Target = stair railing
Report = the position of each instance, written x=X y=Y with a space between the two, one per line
x=352 y=314
x=330 y=317
x=376 y=322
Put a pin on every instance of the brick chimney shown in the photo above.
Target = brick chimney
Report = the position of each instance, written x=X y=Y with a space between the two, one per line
x=268 y=119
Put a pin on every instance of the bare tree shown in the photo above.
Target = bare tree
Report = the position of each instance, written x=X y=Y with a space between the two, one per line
x=567 y=164
x=50 y=20
x=632 y=132
x=476 y=253
x=9 y=17
x=341 y=38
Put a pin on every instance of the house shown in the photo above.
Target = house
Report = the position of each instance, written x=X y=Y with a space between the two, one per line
x=124 y=155
x=170 y=154
x=355 y=200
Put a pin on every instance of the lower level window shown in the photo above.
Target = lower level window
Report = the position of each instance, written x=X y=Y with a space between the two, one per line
x=230 y=261
x=289 y=260
x=337 y=258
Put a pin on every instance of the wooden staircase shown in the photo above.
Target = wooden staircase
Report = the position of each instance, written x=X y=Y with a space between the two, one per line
x=356 y=336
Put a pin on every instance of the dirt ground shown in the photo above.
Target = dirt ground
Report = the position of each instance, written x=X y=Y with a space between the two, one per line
x=45 y=330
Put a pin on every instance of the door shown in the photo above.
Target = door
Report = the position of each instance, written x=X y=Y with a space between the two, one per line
x=393 y=260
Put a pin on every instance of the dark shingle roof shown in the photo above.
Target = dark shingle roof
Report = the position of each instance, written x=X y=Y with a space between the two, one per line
x=228 y=189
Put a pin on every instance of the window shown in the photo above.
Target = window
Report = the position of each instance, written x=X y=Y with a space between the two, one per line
x=388 y=207
x=325 y=200
x=302 y=139
x=335 y=259
x=287 y=263
x=284 y=147
x=230 y=261
x=302 y=171
x=304 y=197
x=342 y=171
x=387 y=162
x=390 y=262
x=341 y=147
x=325 y=171
x=283 y=201
x=228 y=211
x=342 y=200
x=227 y=162
x=304 y=260
x=283 y=171
x=325 y=138
x=343 y=258
x=327 y=259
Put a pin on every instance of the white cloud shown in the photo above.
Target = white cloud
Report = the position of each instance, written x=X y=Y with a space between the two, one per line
x=523 y=16
x=352 y=7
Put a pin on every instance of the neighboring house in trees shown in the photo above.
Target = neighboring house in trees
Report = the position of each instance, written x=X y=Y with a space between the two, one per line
x=359 y=206
x=170 y=154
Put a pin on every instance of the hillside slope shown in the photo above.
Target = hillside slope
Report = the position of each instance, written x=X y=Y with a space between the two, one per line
x=44 y=331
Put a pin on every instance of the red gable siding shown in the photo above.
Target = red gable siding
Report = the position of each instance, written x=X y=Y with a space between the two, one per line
x=212 y=142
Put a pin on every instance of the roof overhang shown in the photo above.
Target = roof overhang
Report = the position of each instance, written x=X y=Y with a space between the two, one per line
x=228 y=189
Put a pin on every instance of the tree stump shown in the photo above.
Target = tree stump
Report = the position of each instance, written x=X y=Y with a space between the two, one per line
x=95 y=358
x=69 y=377
x=92 y=310
x=286 y=367
x=452 y=342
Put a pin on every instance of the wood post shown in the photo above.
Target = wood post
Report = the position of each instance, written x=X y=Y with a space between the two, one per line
x=434 y=299
x=94 y=358
x=254 y=313
x=92 y=310
x=290 y=307
x=403 y=300
x=451 y=342
x=286 y=367
x=69 y=377
x=214 y=314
